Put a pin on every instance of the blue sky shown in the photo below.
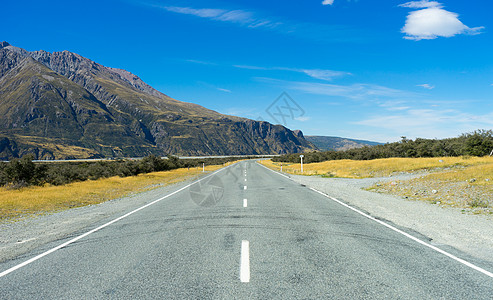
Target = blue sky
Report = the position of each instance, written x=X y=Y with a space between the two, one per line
x=363 y=69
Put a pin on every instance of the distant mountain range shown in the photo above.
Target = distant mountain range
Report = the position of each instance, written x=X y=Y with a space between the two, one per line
x=327 y=143
x=61 y=105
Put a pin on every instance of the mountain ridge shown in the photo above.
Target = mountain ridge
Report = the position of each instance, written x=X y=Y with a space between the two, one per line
x=328 y=143
x=64 y=100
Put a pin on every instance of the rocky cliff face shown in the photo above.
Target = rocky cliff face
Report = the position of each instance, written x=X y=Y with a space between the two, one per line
x=62 y=105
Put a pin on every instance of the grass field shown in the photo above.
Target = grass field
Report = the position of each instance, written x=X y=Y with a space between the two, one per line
x=15 y=204
x=380 y=167
x=462 y=182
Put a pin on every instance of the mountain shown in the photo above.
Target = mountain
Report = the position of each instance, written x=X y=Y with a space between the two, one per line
x=61 y=105
x=326 y=143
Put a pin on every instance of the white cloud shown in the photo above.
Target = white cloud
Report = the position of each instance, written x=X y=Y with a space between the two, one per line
x=223 y=90
x=327 y=75
x=428 y=123
x=323 y=74
x=328 y=2
x=255 y=20
x=427 y=86
x=433 y=21
x=201 y=12
x=211 y=86
x=359 y=91
x=252 y=67
x=239 y=16
x=200 y=62
x=422 y=4
x=302 y=119
x=394 y=105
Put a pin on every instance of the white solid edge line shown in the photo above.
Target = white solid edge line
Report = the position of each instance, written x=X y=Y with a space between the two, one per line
x=27 y=262
x=460 y=260
x=245 y=202
x=245 y=262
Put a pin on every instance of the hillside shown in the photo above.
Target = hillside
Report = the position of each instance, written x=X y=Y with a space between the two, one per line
x=327 y=143
x=61 y=105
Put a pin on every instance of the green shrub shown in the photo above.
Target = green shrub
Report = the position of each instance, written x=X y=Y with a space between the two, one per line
x=477 y=143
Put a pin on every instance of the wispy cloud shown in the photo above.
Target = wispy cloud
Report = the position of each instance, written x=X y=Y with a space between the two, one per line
x=432 y=21
x=428 y=123
x=394 y=105
x=211 y=86
x=248 y=67
x=201 y=62
x=238 y=16
x=327 y=75
x=358 y=91
x=327 y=2
x=422 y=4
x=223 y=90
x=256 y=20
x=302 y=119
x=426 y=86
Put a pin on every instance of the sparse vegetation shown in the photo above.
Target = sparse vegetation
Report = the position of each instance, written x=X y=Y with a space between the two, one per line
x=24 y=172
x=479 y=203
x=381 y=167
x=462 y=182
x=478 y=143
x=15 y=203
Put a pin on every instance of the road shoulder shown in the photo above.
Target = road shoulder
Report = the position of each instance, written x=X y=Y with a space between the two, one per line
x=443 y=225
x=22 y=236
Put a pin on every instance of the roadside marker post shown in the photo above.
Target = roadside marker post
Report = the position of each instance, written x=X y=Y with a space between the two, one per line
x=301 y=156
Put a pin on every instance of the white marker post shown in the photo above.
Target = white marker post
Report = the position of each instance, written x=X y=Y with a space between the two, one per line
x=281 y=167
x=301 y=156
x=203 y=167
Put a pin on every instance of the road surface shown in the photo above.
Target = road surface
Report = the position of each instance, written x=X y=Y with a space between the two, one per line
x=244 y=232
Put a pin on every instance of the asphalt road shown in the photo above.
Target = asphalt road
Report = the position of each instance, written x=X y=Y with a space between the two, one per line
x=243 y=233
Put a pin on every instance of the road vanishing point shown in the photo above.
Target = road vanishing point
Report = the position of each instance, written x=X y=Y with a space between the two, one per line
x=243 y=232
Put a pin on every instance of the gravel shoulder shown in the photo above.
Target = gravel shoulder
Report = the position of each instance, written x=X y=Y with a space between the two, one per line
x=22 y=236
x=445 y=226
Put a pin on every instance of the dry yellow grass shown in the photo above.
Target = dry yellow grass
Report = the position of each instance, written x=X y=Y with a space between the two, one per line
x=385 y=167
x=38 y=200
x=479 y=175
x=469 y=188
x=462 y=182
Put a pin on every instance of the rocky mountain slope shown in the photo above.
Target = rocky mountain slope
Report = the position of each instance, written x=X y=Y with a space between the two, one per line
x=327 y=143
x=61 y=105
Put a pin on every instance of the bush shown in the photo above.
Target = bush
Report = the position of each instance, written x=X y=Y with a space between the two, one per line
x=478 y=143
x=22 y=172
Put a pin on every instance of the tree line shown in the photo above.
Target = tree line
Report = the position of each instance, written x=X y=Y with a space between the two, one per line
x=477 y=143
x=24 y=172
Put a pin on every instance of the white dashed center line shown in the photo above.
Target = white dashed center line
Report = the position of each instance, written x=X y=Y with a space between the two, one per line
x=245 y=202
x=245 y=187
x=245 y=262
